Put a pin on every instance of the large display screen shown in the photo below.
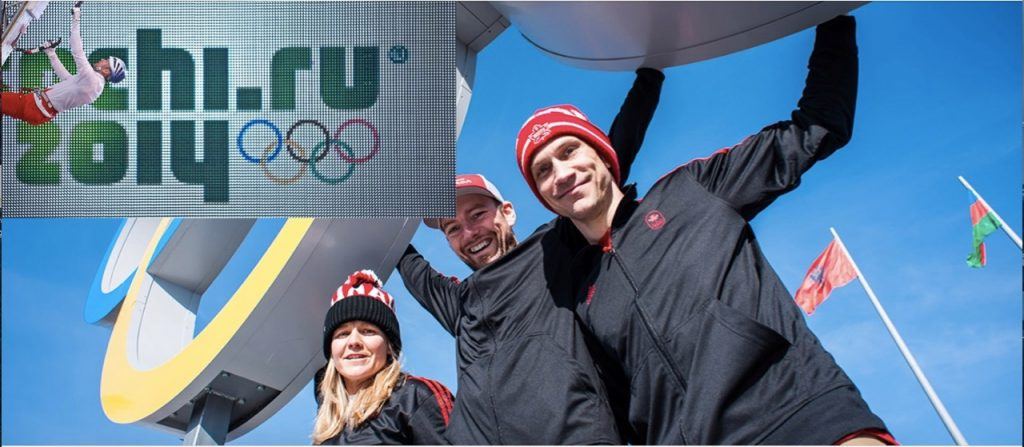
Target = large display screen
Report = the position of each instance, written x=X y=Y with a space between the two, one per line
x=242 y=109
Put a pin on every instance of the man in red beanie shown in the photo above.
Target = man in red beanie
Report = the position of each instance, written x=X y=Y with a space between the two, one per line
x=526 y=375
x=674 y=288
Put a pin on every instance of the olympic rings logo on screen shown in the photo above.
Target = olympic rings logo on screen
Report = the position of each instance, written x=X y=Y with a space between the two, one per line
x=318 y=152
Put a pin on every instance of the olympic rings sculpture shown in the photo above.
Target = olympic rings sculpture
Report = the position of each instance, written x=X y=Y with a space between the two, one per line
x=298 y=153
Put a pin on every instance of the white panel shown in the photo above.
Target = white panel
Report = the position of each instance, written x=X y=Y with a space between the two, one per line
x=127 y=252
x=628 y=35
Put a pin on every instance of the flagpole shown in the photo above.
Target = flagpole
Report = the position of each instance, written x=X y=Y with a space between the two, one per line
x=1002 y=224
x=934 y=398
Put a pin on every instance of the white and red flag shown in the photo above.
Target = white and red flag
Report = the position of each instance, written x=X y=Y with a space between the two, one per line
x=832 y=269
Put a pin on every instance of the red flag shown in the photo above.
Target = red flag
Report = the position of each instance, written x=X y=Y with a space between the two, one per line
x=983 y=223
x=832 y=269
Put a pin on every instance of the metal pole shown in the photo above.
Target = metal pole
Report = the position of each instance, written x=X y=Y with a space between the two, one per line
x=934 y=398
x=210 y=420
x=1002 y=224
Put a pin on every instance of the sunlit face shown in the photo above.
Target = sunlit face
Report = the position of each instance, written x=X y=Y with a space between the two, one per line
x=359 y=350
x=573 y=179
x=481 y=231
x=103 y=68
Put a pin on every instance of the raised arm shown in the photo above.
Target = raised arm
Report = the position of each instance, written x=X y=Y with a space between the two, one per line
x=630 y=125
x=752 y=174
x=58 y=67
x=438 y=294
x=77 y=50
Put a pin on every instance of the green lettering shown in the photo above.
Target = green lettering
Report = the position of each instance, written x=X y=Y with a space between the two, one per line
x=84 y=137
x=212 y=172
x=215 y=78
x=249 y=98
x=282 y=75
x=35 y=168
x=153 y=61
x=365 y=78
x=149 y=166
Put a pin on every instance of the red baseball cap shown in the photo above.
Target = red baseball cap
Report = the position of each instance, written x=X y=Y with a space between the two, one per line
x=466 y=184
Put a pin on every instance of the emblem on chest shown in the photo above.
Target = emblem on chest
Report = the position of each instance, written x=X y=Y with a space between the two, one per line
x=654 y=220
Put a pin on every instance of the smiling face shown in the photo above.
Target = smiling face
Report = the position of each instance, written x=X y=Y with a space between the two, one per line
x=481 y=231
x=359 y=350
x=573 y=180
x=103 y=68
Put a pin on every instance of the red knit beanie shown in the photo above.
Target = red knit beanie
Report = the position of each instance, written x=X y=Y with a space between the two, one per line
x=552 y=122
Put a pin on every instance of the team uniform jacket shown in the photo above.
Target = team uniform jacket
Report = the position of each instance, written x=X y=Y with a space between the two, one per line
x=694 y=322
x=416 y=413
x=526 y=375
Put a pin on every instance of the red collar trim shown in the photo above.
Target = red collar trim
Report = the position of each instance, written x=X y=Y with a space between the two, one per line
x=606 y=241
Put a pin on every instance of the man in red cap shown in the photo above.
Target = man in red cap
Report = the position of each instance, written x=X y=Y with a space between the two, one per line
x=694 y=322
x=526 y=375
x=481 y=232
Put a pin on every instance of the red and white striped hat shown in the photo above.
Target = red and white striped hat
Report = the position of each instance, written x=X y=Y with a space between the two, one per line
x=552 y=122
x=363 y=283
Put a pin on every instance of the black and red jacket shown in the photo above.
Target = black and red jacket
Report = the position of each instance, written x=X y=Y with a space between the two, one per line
x=695 y=327
x=417 y=412
x=525 y=371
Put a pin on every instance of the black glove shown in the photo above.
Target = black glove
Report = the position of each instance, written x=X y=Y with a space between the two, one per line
x=52 y=43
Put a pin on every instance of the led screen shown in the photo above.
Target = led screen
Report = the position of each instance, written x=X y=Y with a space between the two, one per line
x=247 y=109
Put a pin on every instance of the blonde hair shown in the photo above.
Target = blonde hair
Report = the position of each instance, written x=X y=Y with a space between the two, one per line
x=339 y=410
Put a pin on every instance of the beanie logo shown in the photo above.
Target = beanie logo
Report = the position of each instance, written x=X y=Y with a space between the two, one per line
x=539 y=131
x=655 y=220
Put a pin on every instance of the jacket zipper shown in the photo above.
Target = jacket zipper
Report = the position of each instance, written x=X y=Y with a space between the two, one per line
x=650 y=330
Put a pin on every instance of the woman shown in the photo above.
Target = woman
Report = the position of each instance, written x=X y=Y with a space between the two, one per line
x=364 y=396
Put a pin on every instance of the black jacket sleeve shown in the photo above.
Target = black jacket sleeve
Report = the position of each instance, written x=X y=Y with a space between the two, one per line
x=318 y=378
x=430 y=418
x=630 y=125
x=752 y=174
x=438 y=294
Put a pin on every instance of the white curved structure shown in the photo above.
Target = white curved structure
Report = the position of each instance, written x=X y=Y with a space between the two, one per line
x=476 y=25
x=261 y=348
x=628 y=35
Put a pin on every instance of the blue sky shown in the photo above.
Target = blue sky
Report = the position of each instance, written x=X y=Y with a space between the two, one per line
x=940 y=96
